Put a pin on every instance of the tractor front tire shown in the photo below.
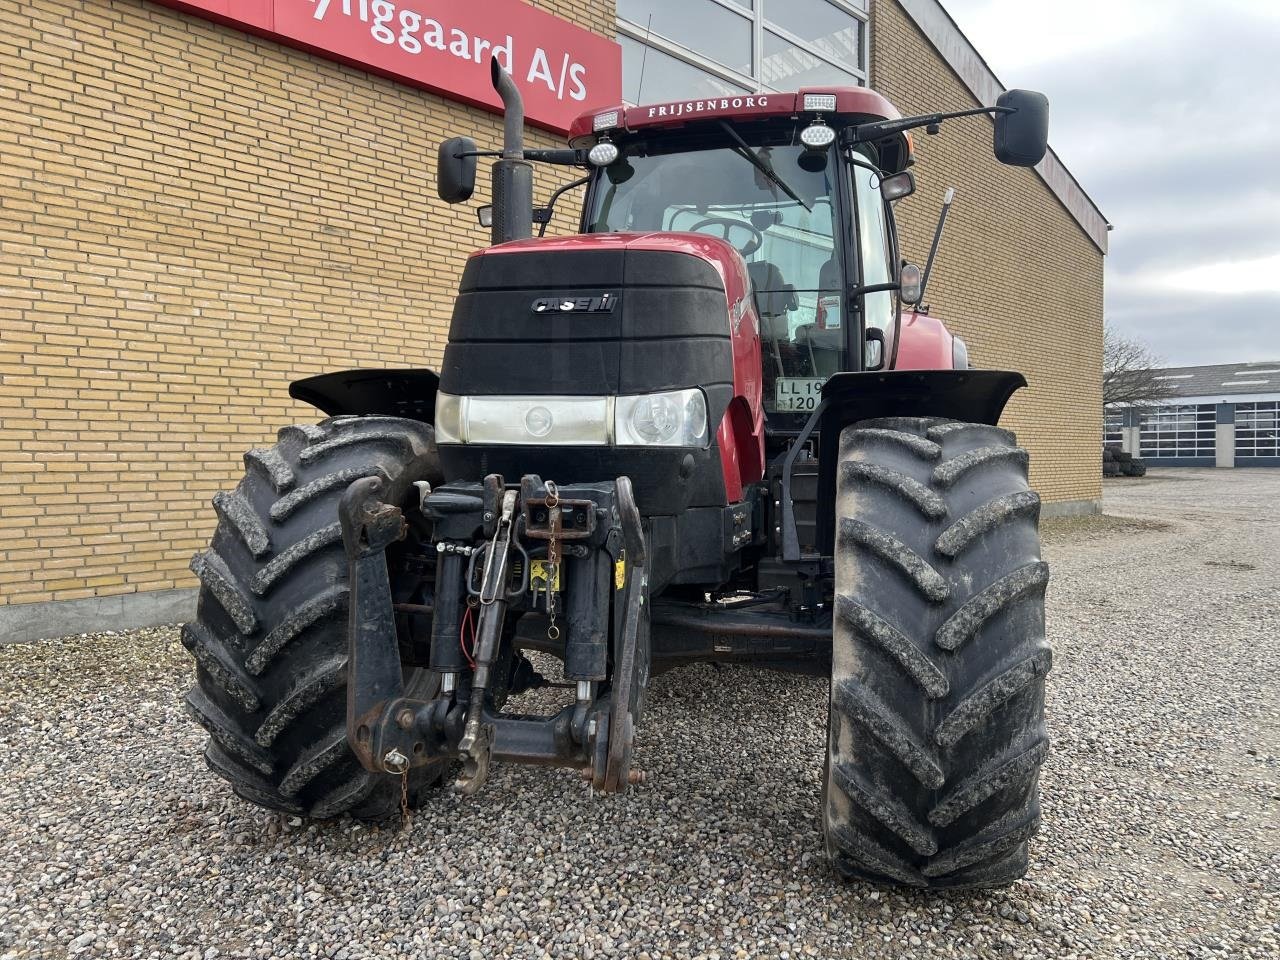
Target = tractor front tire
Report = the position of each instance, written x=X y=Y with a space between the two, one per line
x=270 y=634
x=936 y=727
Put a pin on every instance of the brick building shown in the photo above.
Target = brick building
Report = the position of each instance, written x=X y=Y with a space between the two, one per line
x=196 y=213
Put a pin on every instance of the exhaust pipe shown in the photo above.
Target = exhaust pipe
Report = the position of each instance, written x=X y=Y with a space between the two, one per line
x=512 y=175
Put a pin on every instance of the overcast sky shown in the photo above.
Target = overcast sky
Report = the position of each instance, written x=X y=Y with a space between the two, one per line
x=1168 y=112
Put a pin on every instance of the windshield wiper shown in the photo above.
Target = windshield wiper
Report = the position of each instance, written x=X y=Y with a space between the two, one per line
x=744 y=150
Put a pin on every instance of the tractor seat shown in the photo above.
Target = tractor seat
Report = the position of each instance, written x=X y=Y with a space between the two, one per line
x=774 y=297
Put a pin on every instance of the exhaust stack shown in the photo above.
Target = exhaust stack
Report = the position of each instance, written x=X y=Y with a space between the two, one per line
x=512 y=175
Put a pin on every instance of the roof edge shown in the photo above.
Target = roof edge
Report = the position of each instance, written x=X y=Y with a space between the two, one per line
x=948 y=39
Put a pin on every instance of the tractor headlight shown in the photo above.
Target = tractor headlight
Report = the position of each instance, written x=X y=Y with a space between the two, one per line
x=579 y=421
x=673 y=419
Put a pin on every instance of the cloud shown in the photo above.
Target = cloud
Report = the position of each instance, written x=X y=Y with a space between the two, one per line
x=1194 y=328
x=1165 y=113
x=1230 y=277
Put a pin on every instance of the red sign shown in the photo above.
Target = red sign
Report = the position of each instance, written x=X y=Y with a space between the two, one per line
x=444 y=46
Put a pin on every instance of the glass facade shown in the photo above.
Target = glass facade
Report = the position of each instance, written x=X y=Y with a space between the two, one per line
x=1113 y=428
x=1179 y=431
x=675 y=49
x=1258 y=429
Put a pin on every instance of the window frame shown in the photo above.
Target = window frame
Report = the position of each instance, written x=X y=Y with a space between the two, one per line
x=1252 y=446
x=1165 y=434
x=640 y=33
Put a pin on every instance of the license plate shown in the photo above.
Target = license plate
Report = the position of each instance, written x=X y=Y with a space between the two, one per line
x=538 y=575
x=797 y=393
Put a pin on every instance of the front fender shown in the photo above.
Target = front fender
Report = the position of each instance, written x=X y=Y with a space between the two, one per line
x=410 y=394
x=972 y=396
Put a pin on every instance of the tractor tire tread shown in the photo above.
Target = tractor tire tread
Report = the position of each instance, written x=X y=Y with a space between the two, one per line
x=949 y=472
x=936 y=732
x=235 y=511
x=910 y=490
x=310 y=686
x=269 y=636
x=221 y=667
x=861 y=705
x=895 y=643
x=970 y=527
x=915 y=568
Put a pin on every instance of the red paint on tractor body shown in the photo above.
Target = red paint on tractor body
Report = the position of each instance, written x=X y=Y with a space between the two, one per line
x=924 y=343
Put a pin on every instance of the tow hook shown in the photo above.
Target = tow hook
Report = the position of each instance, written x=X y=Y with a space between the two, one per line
x=477 y=737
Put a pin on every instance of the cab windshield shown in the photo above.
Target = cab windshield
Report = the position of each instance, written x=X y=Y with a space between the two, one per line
x=792 y=252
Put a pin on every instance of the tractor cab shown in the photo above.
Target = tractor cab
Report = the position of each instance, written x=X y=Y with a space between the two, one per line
x=809 y=214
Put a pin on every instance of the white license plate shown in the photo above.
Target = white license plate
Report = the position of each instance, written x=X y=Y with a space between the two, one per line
x=797 y=393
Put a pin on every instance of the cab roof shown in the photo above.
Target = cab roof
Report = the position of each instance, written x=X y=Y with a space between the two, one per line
x=853 y=105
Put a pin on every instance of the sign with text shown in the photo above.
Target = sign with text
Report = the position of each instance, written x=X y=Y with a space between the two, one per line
x=444 y=46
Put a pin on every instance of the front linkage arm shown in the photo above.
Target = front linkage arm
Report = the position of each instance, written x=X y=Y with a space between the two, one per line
x=390 y=733
x=381 y=723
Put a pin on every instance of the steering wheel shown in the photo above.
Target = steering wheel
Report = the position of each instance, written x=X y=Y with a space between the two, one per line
x=728 y=224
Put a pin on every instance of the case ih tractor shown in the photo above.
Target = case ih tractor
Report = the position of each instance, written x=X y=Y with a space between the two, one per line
x=707 y=428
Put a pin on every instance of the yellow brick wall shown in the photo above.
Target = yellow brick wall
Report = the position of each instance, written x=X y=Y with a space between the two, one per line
x=1016 y=276
x=192 y=218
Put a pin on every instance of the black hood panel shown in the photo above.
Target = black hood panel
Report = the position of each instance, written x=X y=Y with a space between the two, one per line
x=667 y=328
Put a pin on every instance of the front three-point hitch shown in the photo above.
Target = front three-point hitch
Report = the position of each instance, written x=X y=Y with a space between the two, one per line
x=560 y=569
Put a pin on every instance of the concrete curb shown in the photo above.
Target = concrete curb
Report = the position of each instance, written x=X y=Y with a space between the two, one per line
x=23 y=622
x=1070 y=508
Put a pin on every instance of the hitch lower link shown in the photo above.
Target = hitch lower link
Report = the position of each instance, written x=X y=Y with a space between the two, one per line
x=392 y=733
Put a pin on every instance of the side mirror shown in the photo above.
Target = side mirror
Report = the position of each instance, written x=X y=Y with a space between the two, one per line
x=485 y=215
x=455 y=171
x=898 y=186
x=1022 y=137
x=910 y=283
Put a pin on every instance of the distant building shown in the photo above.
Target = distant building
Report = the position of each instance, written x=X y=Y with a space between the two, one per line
x=1225 y=415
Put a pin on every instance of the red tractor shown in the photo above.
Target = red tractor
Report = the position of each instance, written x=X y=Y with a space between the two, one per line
x=700 y=430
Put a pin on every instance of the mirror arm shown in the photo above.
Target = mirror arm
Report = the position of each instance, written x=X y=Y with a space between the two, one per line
x=868 y=132
x=873 y=288
x=568 y=158
x=551 y=204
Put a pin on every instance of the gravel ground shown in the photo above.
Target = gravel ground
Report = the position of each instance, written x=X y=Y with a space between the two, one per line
x=1161 y=805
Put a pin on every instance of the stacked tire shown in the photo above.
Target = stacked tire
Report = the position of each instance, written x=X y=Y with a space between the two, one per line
x=1121 y=463
x=1110 y=466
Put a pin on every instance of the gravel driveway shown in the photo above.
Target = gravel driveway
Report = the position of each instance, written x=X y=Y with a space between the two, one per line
x=1161 y=811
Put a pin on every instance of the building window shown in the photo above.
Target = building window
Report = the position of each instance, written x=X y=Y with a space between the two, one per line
x=1258 y=429
x=676 y=49
x=1179 y=431
x=1112 y=427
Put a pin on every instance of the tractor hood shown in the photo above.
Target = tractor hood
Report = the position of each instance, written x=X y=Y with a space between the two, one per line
x=597 y=314
x=600 y=315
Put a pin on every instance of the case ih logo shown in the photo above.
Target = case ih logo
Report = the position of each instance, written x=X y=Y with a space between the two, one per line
x=601 y=304
x=445 y=46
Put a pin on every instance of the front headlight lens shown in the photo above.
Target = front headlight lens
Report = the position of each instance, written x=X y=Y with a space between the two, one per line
x=676 y=418
x=448 y=418
x=578 y=421
x=655 y=419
